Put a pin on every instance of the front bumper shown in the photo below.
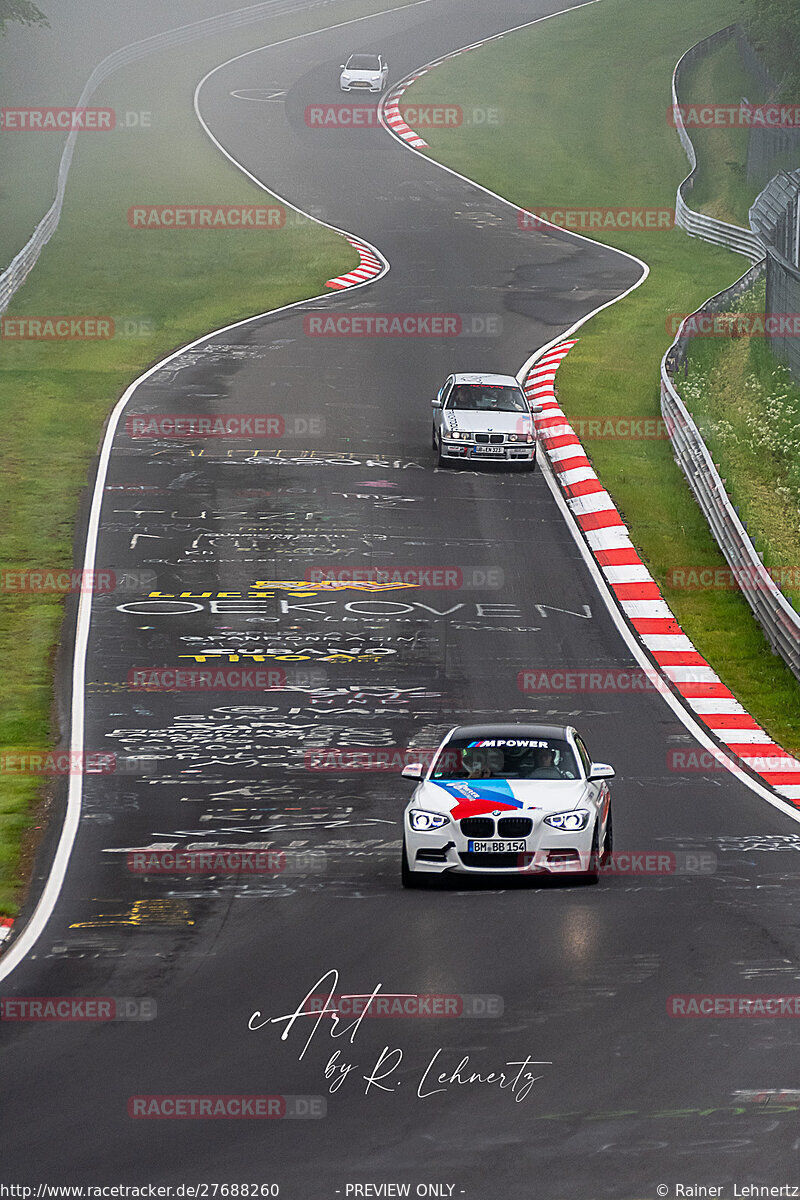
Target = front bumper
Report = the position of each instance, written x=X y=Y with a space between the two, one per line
x=473 y=452
x=361 y=87
x=547 y=851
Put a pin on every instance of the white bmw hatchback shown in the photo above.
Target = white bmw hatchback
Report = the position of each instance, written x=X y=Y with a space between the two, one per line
x=507 y=800
x=483 y=418
x=364 y=73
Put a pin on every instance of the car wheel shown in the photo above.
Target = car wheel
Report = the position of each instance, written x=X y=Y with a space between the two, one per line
x=441 y=461
x=593 y=874
x=608 y=844
x=433 y=436
x=414 y=879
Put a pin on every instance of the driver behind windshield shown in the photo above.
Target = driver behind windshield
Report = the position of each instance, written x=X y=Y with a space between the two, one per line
x=483 y=764
x=475 y=764
x=459 y=761
x=473 y=398
x=544 y=765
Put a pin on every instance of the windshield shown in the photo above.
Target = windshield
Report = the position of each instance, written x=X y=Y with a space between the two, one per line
x=506 y=758
x=363 y=62
x=485 y=397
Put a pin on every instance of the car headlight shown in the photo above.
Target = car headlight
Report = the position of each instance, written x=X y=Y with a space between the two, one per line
x=454 y=433
x=568 y=820
x=424 y=821
x=513 y=437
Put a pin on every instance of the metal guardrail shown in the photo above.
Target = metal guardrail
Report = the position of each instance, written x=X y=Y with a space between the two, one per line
x=774 y=613
x=697 y=224
x=23 y=263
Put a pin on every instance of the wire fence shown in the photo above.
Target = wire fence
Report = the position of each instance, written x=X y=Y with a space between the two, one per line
x=776 y=216
x=767 y=148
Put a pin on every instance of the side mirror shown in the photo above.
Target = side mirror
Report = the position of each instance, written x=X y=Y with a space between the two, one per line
x=537 y=408
x=601 y=771
x=341 y=66
x=412 y=771
x=436 y=402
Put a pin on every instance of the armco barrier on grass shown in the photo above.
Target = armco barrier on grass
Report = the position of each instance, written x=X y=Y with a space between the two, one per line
x=772 y=610
x=697 y=224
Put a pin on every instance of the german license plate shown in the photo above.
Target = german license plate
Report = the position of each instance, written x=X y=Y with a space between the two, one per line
x=495 y=846
x=487 y=450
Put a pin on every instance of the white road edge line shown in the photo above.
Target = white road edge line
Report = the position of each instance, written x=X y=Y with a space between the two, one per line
x=34 y=927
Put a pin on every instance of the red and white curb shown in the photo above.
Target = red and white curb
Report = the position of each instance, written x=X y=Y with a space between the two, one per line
x=394 y=118
x=391 y=109
x=639 y=596
x=5 y=928
x=369 y=266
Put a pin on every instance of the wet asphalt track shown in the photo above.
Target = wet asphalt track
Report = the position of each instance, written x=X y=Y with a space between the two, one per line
x=631 y=1098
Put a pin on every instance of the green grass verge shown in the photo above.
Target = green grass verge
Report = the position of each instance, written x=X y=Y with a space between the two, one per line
x=564 y=89
x=164 y=288
x=747 y=407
